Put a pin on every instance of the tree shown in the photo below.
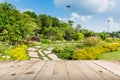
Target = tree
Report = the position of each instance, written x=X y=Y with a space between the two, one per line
x=103 y=35
x=55 y=22
x=46 y=21
x=80 y=36
x=14 y=26
x=36 y=19
x=78 y=27
x=70 y=22
x=31 y=14
x=88 y=33
x=115 y=34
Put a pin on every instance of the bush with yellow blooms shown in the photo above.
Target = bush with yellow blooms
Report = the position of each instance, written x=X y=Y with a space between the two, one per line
x=16 y=53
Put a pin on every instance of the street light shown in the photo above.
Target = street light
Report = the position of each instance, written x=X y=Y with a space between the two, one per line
x=68 y=7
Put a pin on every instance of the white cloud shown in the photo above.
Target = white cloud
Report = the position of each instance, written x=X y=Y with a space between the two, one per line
x=103 y=5
x=27 y=9
x=62 y=19
x=86 y=18
x=113 y=25
x=87 y=6
x=75 y=16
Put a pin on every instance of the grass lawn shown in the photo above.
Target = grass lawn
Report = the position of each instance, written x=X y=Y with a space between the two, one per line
x=110 y=55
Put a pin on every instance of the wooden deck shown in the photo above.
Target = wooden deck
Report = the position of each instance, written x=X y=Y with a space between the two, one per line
x=59 y=70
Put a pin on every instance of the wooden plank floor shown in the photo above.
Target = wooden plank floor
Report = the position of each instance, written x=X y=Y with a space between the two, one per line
x=59 y=70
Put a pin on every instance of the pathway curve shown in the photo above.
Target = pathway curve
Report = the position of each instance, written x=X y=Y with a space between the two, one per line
x=39 y=53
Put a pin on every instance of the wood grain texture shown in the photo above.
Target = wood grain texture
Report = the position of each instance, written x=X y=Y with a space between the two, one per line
x=59 y=70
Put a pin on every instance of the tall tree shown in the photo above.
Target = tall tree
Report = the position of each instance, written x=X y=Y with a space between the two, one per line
x=78 y=27
x=46 y=21
x=14 y=26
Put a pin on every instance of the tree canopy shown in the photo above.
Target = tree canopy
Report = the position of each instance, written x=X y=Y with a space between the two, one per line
x=17 y=27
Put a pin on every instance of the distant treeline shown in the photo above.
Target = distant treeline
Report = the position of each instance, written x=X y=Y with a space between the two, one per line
x=20 y=27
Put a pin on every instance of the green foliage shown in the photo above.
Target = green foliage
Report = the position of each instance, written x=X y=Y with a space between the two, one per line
x=80 y=46
x=87 y=33
x=14 y=26
x=103 y=35
x=80 y=36
x=64 y=52
x=17 y=27
x=109 y=40
x=3 y=47
x=46 y=22
x=92 y=41
x=92 y=53
x=45 y=41
x=115 y=34
x=69 y=32
x=58 y=49
x=70 y=22
x=78 y=28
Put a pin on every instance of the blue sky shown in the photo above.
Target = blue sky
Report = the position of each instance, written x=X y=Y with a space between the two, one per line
x=91 y=14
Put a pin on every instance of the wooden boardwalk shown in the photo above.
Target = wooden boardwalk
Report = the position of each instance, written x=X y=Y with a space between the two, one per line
x=59 y=70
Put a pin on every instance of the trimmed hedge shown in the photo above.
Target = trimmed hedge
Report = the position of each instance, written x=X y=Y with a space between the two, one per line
x=92 y=53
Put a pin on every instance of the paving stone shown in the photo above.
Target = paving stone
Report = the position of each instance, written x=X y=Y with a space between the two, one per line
x=33 y=54
x=45 y=58
x=38 y=47
x=47 y=52
x=31 y=49
x=54 y=57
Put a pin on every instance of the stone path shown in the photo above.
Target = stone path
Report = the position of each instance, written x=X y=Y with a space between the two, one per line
x=38 y=53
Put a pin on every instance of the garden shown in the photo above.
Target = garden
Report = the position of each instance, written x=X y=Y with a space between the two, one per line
x=22 y=30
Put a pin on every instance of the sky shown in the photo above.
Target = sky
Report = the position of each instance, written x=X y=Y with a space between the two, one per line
x=90 y=14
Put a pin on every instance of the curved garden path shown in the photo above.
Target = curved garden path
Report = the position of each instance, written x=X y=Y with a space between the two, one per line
x=39 y=53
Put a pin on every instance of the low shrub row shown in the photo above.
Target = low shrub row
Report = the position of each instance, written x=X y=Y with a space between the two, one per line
x=92 y=53
x=17 y=53
x=64 y=52
x=45 y=40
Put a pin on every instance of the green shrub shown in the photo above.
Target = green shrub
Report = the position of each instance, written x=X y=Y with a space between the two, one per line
x=103 y=35
x=57 y=49
x=45 y=40
x=109 y=40
x=4 y=46
x=64 y=56
x=64 y=52
x=80 y=36
x=91 y=41
x=68 y=49
x=80 y=46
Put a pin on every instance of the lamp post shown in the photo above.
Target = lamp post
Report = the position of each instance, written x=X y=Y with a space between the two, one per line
x=68 y=7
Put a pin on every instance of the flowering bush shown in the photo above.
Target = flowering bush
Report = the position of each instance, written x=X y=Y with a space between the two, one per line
x=17 y=53
x=92 y=53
